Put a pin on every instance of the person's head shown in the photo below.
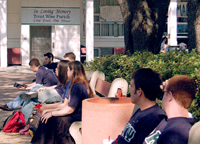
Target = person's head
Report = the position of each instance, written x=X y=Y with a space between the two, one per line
x=147 y=81
x=165 y=39
x=70 y=56
x=182 y=89
x=34 y=64
x=61 y=72
x=48 y=58
x=76 y=73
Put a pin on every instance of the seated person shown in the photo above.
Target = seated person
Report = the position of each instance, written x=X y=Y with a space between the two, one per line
x=179 y=92
x=44 y=77
x=54 y=124
x=144 y=89
x=70 y=56
x=48 y=60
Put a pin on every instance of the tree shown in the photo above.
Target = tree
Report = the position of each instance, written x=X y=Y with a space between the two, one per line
x=194 y=24
x=144 y=23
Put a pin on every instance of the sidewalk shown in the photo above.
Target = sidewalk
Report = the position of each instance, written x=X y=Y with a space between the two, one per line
x=8 y=76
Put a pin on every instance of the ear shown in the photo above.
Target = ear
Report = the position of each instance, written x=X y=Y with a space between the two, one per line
x=171 y=97
x=139 y=91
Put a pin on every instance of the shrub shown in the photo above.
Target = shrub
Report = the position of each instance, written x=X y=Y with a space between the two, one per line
x=167 y=65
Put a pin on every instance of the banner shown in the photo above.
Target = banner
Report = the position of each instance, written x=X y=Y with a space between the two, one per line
x=50 y=16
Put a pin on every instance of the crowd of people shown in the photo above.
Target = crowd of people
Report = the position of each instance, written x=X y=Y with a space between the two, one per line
x=61 y=87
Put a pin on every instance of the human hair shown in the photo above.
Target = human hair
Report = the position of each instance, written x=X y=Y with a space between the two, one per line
x=79 y=76
x=62 y=72
x=149 y=81
x=183 y=89
x=49 y=55
x=34 y=62
x=70 y=55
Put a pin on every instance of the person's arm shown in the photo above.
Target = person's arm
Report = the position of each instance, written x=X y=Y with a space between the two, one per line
x=50 y=107
x=63 y=111
x=29 y=87
x=45 y=88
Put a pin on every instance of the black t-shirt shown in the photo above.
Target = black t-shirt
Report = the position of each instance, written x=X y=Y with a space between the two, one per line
x=51 y=66
x=140 y=125
x=46 y=77
x=78 y=93
x=171 y=131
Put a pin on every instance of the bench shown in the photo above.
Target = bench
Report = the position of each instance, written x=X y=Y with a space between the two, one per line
x=106 y=89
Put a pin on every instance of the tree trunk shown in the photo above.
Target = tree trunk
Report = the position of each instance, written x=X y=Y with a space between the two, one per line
x=194 y=24
x=144 y=23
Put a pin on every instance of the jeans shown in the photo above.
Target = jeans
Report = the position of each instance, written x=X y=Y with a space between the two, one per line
x=18 y=101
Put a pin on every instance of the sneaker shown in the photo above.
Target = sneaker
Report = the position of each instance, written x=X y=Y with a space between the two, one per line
x=28 y=95
x=5 y=107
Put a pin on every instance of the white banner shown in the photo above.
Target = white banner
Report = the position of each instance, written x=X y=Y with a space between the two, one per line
x=50 y=16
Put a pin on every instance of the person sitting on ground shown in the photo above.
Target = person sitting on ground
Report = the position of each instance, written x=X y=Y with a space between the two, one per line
x=48 y=60
x=144 y=89
x=179 y=92
x=70 y=56
x=44 y=77
x=54 y=124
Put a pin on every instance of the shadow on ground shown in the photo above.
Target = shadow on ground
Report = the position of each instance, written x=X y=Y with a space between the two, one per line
x=7 y=92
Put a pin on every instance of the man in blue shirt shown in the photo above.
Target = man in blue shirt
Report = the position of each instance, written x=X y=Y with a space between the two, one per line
x=144 y=89
x=44 y=77
x=179 y=92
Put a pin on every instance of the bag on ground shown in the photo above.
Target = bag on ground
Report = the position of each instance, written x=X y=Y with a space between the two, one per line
x=34 y=121
x=16 y=122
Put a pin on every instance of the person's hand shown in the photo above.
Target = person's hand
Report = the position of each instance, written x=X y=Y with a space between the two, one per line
x=164 y=84
x=46 y=116
x=41 y=89
x=45 y=112
x=21 y=88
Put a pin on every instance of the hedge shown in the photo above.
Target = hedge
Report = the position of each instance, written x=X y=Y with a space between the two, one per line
x=167 y=65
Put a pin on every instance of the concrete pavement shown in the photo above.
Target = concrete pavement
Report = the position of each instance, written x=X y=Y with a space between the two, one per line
x=8 y=76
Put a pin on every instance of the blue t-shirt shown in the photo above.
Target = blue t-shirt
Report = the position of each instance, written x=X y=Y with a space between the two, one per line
x=46 y=77
x=78 y=93
x=171 y=131
x=140 y=125
x=51 y=66
x=66 y=91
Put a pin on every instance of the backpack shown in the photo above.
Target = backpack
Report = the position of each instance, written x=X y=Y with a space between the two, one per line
x=34 y=121
x=16 y=122
x=7 y=119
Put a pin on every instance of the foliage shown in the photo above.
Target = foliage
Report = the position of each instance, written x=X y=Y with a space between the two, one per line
x=167 y=65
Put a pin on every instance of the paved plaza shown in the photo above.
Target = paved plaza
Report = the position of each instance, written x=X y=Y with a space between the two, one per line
x=8 y=76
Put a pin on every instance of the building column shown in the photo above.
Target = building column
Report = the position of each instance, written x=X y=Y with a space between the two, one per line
x=89 y=30
x=3 y=33
x=172 y=23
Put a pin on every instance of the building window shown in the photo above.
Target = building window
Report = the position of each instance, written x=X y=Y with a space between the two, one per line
x=108 y=19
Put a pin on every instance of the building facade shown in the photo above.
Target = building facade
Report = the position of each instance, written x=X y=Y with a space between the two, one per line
x=30 y=28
